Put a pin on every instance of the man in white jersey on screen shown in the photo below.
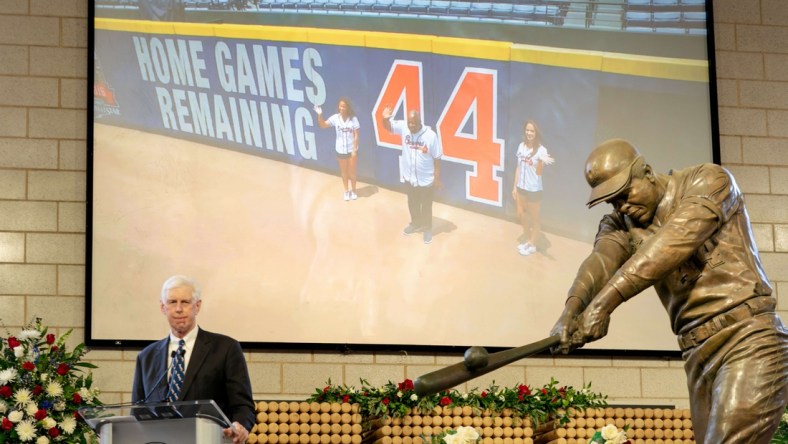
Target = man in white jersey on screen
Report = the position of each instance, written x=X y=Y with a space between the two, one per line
x=419 y=168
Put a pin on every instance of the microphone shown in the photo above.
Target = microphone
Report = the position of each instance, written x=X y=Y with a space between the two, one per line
x=161 y=378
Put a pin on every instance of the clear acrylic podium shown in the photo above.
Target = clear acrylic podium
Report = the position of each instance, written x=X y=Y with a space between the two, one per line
x=182 y=422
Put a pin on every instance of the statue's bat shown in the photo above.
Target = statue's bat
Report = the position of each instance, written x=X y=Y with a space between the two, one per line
x=477 y=362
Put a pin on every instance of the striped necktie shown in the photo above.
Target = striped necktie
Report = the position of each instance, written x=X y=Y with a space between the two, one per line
x=177 y=371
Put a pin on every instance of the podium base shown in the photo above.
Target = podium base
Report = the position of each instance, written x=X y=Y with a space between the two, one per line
x=172 y=431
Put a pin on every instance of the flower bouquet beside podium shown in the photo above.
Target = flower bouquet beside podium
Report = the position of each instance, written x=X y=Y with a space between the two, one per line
x=42 y=385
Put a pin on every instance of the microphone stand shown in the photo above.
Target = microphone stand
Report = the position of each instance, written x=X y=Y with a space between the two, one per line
x=161 y=378
x=158 y=412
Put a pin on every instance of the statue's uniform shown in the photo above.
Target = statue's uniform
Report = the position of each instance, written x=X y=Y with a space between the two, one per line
x=700 y=256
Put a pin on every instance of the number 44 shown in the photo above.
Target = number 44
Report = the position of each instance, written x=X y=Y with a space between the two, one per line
x=472 y=105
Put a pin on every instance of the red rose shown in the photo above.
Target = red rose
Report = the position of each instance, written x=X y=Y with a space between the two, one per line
x=521 y=396
x=37 y=390
x=50 y=339
x=544 y=391
x=40 y=414
x=13 y=342
x=484 y=394
x=385 y=401
x=54 y=432
x=325 y=389
x=54 y=348
x=5 y=391
x=62 y=369
x=346 y=398
x=524 y=390
x=29 y=366
x=445 y=400
x=406 y=385
x=76 y=398
x=7 y=424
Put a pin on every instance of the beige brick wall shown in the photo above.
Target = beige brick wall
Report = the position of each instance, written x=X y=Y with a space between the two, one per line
x=43 y=60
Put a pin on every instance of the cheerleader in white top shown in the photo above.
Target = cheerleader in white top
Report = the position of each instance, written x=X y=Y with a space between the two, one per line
x=346 y=126
x=527 y=190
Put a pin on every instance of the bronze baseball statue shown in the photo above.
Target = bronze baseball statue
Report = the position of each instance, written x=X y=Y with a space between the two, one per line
x=686 y=233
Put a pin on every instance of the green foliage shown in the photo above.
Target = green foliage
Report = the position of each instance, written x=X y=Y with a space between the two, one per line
x=398 y=399
x=781 y=436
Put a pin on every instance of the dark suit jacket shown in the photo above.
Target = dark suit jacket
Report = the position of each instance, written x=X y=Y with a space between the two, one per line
x=217 y=370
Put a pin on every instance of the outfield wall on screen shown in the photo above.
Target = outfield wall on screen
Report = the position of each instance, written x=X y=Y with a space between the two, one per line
x=252 y=89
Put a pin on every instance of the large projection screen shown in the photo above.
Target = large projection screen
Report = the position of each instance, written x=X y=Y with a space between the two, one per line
x=207 y=160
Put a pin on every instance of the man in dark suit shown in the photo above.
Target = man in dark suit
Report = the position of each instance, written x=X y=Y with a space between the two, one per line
x=214 y=364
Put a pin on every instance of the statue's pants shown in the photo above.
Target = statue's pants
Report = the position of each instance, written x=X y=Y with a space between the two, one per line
x=738 y=382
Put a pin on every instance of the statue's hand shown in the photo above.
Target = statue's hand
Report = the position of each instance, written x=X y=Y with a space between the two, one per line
x=566 y=326
x=592 y=325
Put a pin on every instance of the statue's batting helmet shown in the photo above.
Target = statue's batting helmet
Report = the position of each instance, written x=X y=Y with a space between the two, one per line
x=609 y=169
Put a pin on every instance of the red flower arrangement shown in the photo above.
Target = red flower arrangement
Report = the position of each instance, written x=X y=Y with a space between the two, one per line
x=41 y=387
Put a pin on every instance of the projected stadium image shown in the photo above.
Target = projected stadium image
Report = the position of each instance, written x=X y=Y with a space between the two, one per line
x=257 y=157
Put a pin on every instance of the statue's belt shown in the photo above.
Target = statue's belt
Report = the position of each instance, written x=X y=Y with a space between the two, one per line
x=749 y=308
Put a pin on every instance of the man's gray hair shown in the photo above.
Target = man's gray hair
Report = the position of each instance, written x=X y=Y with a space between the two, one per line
x=180 y=281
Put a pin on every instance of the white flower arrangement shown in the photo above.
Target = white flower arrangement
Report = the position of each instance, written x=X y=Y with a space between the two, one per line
x=610 y=434
x=460 y=435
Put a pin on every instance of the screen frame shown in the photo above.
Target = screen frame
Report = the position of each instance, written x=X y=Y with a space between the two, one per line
x=347 y=348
